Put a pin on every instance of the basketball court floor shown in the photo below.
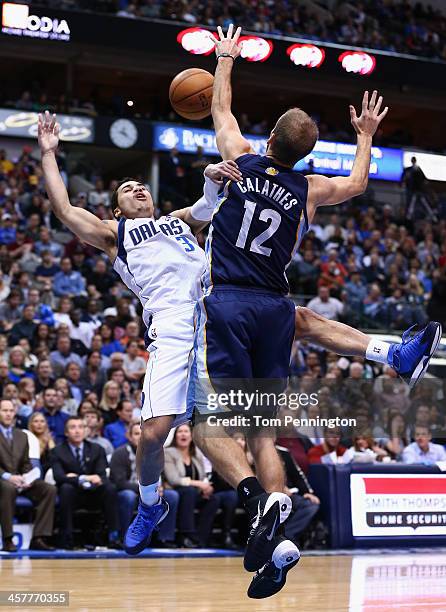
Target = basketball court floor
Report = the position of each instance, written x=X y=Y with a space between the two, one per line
x=379 y=582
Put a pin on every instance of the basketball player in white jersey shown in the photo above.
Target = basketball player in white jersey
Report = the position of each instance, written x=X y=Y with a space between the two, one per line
x=161 y=262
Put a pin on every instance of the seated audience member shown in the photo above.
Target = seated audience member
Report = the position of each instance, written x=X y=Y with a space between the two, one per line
x=93 y=422
x=17 y=368
x=65 y=400
x=397 y=436
x=305 y=502
x=55 y=418
x=423 y=450
x=184 y=471
x=117 y=432
x=14 y=464
x=79 y=469
x=123 y=474
x=228 y=501
x=63 y=355
x=94 y=374
x=111 y=395
x=44 y=375
x=134 y=366
x=330 y=450
x=364 y=450
x=298 y=444
x=38 y=425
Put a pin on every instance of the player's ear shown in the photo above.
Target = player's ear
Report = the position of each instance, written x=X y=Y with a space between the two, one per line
x=117 y=213
x=271 y=138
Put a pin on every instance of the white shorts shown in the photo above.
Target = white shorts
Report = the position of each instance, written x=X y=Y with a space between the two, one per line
x=165 y=383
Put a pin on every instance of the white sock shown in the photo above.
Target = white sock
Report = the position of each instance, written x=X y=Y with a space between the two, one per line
x=377 y=351
x=149 y=493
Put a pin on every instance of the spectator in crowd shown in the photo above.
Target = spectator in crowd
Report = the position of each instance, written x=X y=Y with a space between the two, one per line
x=14 y=465
x=423 y=450
x=305 y=502
x=331 y=449
x=79 y=469
x=184 y=471
x=325 y=305
x=45 y=243
x=109 y=344
x=63 y=355
x=38 y=425
x=10 y=311
x=93 y=424
x=44 y=375
x=17 y=369
x=123 y=474
x=111 y=395
x=68 y=282
x=364 y=450
x=55 y=418
x=94 y=374
x=116 y=432
x=397 y=436
x=65 y=400
x=228 y=502
x=134 y=365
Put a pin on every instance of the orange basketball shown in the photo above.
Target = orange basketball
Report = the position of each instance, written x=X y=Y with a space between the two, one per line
x=190 y=93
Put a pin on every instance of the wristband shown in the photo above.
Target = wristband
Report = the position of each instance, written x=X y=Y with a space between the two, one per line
x=225 y=55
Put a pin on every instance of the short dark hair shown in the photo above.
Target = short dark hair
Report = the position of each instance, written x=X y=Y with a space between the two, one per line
x=121 y=403
x=296 y=134
x=114 y=197
x=72 y=418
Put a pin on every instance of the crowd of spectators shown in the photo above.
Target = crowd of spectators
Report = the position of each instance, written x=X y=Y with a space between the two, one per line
x=391 y=25
x=72 y=357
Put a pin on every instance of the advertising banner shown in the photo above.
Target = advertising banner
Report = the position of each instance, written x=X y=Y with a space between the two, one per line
x=23 y=124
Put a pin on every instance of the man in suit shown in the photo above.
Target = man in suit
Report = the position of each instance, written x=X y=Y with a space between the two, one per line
x=14 y=463
x=79 y=471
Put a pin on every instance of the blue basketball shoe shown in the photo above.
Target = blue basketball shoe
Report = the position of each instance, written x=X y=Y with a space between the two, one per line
x=140 y=529
x=410 y=358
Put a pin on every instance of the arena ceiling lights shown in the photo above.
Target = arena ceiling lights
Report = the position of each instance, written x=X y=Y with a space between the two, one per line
x=199 y=41
x=306 y=55
x=357 y=62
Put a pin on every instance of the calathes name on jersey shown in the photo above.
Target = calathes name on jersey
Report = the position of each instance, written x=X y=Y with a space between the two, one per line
x=271 y=190
x=148 y=230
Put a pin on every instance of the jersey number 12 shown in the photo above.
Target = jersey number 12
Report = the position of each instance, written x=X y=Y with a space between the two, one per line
x=267 y=214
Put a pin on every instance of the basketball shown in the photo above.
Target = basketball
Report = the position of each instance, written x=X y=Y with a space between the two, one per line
x=190 y=93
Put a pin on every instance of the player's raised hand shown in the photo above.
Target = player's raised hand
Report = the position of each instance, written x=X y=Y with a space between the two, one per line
x=48 y=132
x=229 y=43
x=370 y=118
x=225 y=169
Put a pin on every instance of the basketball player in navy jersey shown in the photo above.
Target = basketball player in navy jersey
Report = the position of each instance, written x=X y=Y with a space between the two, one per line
x=244 y=323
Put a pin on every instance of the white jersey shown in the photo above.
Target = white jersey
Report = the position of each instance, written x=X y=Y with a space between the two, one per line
x=161 y=262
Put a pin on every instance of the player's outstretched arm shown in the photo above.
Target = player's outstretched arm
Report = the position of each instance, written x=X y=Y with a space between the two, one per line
x=90 y=229
x=323 y=191
x=230 y=141
x=200 y=214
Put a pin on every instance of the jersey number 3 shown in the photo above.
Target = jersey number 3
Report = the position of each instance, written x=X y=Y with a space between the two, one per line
x=267 y=214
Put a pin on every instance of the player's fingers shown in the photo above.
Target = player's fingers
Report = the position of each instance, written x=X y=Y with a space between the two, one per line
x=53 y=122
x=378 y=105
x=57 y=129
x=220 y=33
x=237 y=34
x=365 y=101
x=383 y=114
x=353 y=115
x=47 y=118
x=230 y=30
x=373 y=100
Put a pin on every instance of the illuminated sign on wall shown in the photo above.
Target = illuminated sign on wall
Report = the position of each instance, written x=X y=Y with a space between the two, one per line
x=357 y=62
x=309 y=56
x=335 y=158
x=433 y=166
x=255 y=48
x=398 y=504
x=24 y=125
x=17 y=21
x=186 y=140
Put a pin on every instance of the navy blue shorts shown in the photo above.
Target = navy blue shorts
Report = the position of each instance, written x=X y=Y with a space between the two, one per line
x=243 y=339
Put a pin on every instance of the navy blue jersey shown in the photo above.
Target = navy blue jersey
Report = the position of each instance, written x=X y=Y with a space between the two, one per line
x=257 y=226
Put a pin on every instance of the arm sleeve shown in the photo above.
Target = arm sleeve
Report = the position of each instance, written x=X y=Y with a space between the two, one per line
x=203 y=209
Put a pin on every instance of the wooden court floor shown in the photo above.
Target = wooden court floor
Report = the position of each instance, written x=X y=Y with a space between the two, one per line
x=378 y=583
